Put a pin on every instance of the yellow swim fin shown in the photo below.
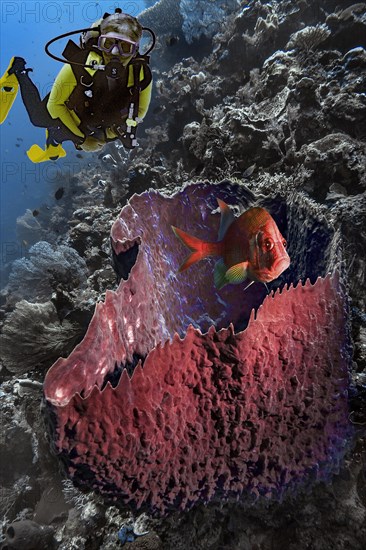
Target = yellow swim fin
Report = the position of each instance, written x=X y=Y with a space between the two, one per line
x=51 y=152
x=9 y=87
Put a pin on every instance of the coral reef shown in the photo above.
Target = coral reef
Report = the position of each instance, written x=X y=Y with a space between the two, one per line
x=204 y=18
x=241 y=117
x=290 y=124
x=163 y=15
x=309 y=38
x=47 y=268
x=41 y=337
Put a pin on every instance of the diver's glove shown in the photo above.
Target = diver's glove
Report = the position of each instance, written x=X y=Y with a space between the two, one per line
x=91 y=145
x=18 y=67
x=78 y=142
x=50 y=141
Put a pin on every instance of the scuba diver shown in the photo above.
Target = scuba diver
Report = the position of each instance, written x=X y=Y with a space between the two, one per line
x=100 y=95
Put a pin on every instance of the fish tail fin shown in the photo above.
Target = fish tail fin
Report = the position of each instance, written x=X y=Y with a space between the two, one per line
x=200 y=249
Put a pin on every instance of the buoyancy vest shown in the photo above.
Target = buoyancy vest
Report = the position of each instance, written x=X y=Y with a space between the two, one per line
x=101 y=101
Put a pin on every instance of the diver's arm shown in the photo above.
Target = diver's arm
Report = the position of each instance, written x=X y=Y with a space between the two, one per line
x=144 y=102
x=60 y=93
x=145 y=95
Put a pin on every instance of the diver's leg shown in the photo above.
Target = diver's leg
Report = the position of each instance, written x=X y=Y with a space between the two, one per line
x=58 y=133
x=36 y=109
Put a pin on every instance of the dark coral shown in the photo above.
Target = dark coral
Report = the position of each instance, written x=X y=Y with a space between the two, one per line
x=41 y=337
x=28 y=535
x=256 y=103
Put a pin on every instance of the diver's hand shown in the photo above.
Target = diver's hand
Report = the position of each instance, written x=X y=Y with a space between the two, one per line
x=79 y=141
x=91 y=145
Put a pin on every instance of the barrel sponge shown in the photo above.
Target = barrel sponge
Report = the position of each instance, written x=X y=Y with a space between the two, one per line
x=209 y=412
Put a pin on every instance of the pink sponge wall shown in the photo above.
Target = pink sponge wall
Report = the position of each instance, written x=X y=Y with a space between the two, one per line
x=213 y=414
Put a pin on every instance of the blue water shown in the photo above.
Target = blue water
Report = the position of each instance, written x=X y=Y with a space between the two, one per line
x=25 y=28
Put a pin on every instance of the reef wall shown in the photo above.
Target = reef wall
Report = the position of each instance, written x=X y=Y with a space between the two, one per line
x=273 y=100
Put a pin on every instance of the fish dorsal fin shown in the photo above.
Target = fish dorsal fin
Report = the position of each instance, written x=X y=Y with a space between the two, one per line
x=227 y=218
x=255 y=218
x=237 y=273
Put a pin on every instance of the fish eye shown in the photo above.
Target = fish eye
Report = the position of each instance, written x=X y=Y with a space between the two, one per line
x=284 y=244
x=268 y=244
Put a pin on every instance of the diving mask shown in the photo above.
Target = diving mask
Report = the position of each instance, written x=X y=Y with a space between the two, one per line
x=117 y=45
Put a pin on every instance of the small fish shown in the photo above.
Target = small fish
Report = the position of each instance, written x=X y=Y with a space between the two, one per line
x=35 y=213
x=249 y=171
x=59 y=193
x=79 y=155
x=250 y=246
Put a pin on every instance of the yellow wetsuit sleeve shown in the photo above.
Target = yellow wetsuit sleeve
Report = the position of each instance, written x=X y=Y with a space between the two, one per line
x=145 y=95
x=61 y=90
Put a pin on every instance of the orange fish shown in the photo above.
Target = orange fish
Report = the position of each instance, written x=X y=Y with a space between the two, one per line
x=250 y=246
